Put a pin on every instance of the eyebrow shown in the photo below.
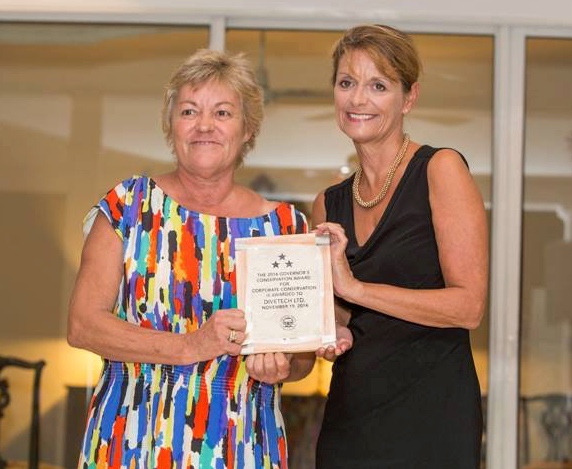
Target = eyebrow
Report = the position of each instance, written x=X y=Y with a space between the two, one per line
x=383 y=78
x=194 y=103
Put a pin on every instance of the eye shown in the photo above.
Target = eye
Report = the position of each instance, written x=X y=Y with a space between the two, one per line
x=378 y=86
x=188 y=112
x=223 y=114
x=344 y=83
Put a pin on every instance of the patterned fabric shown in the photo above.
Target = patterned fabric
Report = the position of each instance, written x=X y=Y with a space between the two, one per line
x=178 y=271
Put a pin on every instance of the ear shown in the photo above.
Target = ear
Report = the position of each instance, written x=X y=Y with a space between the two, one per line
x=247 y=136
x=411 y=98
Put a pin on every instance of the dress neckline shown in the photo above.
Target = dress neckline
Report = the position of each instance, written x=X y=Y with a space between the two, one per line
x=387 y=210
x=154 y=185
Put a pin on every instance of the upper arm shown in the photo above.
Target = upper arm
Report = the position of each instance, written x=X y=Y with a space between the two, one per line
x=319 y=209
x=460 y=223
x=100 y=270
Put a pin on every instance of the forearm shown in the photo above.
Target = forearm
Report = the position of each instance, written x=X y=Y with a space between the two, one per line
x=115 y=339
x=452 y=306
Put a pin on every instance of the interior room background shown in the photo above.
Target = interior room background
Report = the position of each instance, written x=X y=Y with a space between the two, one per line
x=80 y=101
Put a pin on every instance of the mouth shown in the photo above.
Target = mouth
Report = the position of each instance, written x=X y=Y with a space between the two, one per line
x=204 y=142
x=360 y=117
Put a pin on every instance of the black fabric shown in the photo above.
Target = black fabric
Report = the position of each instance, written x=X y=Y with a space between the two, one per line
x=405 y=396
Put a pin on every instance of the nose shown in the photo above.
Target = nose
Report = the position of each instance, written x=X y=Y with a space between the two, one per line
x=358 y=96
x=205 y=123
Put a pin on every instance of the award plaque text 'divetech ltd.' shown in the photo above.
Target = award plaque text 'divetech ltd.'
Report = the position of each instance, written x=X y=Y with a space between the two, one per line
x=284 y=287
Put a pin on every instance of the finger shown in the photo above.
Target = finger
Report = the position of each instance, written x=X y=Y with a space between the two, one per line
x=248 y=362
x=329 y=353
x=283 y=365
x=281 y=361
x=253 y=366
x=235 y=350
x=233 y=317
x=238 y=323
x=256 y=365
x=234 y=336
x=269 y=363
x=342 y=347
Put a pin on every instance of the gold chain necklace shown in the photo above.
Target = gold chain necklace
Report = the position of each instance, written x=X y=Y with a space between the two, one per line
x=388 y=180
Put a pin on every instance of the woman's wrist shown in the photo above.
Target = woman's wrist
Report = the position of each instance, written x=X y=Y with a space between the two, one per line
x=352 y=291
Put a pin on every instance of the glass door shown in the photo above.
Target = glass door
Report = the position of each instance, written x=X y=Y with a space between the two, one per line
x=546 y=314
x=80 y=108
x=300 y=150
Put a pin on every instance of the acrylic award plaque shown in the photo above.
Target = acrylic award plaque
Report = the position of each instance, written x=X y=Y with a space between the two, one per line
x=284 y=287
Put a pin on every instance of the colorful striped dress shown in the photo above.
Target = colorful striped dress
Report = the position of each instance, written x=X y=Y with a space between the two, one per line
x=178 y=271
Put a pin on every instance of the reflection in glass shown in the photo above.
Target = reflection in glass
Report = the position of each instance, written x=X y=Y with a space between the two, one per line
x=79 y=110
x=546 y=319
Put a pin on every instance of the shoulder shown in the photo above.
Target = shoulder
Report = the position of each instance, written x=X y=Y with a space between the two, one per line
x=116 y=202
x=337 y=193
x=447 y=161
x=441 y=155
x=340 y=186
x=319 y=208
x=448 y=175
x=250 y=203
x=127 y=187
x=133 y=181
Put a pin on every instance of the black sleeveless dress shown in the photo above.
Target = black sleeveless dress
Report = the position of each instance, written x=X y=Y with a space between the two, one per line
x=406 y=396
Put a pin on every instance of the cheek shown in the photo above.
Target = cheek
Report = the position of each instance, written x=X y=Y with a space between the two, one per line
x=177 y=126
x=339 y=107
x=182 y=124
x=339 y=100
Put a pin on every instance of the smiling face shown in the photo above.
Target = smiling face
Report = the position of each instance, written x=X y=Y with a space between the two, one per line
x=208 y=128
x=369 y=105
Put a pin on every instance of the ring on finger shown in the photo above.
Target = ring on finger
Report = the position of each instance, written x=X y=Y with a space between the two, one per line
x=232 y=336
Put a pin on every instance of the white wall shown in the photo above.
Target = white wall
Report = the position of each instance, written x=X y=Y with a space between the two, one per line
x=490 y=12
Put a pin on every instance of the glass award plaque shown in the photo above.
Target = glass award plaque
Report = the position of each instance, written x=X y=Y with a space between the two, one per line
x=284 y=287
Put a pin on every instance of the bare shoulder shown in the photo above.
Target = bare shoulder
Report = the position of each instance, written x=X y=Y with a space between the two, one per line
x=450 y=181
x=448 y=168
x=251 y=203
x=447 y=159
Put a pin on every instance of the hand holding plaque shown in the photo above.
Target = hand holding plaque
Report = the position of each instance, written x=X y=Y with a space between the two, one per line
x=284 y=287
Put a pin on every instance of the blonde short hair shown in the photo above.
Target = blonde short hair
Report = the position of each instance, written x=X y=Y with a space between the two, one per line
x=232 y=70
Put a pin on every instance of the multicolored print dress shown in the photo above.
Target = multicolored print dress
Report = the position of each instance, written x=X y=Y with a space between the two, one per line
x=178 y=271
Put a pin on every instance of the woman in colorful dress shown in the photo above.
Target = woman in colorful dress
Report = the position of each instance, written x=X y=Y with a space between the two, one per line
x=155 y=295
x=410 y=270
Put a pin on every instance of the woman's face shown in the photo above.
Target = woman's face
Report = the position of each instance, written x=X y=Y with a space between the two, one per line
x=208 y=128
x=369 y=106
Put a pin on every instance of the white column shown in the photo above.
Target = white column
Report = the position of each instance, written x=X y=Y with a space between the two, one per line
x=506 y=241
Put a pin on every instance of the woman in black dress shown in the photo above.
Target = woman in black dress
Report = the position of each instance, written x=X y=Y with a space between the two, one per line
x=410 y=261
